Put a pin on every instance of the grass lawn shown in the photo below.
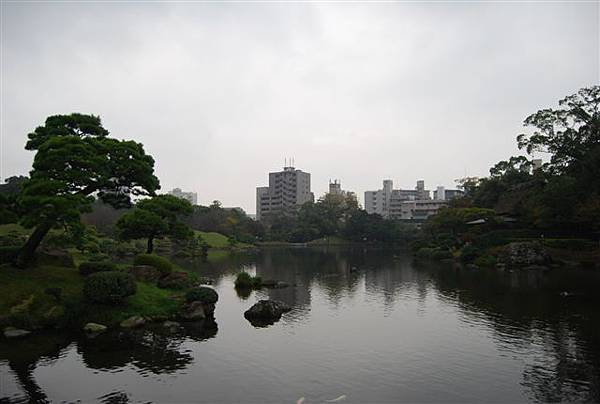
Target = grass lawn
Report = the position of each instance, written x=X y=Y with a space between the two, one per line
x=218 y=240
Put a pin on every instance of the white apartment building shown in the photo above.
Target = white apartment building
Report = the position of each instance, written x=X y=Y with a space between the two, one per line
x=287 y=190
x=443 y=194
x=192 y=197
x=387 y=201
x=420 y=209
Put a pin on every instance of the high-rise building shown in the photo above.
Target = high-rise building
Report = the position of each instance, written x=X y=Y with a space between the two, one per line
x=192 y=197
x=287 y=191
x=335 y=188
x=387 y=201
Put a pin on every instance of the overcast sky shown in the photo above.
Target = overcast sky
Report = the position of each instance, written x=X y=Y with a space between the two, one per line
x=219 y=94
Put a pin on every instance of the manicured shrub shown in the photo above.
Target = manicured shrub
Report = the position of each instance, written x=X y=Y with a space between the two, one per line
x=245 y=280
x=485 y=261
x=202 y=294
x=469 y=253
x=8 y=253
x=441 y=254
x=163 y=265
x=109 y=287
x=91 y=267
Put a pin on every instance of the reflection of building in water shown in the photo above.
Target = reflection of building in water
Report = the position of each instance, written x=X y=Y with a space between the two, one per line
x=389 y=277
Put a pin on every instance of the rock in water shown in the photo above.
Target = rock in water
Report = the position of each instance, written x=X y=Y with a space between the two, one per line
x=193 y=311
x=266 y=312
x=94 y=328
x=133 y=322
x=12 y=332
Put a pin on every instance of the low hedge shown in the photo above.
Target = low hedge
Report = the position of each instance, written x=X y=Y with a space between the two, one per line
x=109 y=287
x=163 y=265
x=91 y=267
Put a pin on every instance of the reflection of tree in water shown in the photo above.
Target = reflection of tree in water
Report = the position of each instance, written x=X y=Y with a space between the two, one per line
x=156 y=349
x=329 y=268
x=389 y=276
x=526 y=310
x=24 y=355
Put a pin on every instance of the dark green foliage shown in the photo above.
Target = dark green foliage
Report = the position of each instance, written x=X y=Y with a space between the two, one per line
x=202 y=294
x=442 y=254
x=75 y=159
x=109 y=287
x=8 y=253
x=56 y=293
x=230 y=222
x=434 y=253
x=91 y=267
x=156 y=218
x=10 y=210
x=485 y=261
x=469 y=253
x=163 y=265
x=246 y=281
x=571 y=244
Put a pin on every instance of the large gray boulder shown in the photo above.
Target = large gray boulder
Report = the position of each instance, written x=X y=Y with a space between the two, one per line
x=266 y=312
x=524 y=254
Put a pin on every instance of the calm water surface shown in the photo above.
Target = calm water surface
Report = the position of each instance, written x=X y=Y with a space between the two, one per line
x=365 y=324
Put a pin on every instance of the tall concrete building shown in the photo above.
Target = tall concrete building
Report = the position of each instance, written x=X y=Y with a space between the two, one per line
x=190 y=196
x=387 y=201
x=287 y=191
x=335 y=188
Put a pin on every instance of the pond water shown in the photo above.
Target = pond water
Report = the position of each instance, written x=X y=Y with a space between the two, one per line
x=366 y=326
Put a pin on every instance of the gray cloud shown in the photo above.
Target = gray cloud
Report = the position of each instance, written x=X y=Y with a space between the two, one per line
x=220 y=93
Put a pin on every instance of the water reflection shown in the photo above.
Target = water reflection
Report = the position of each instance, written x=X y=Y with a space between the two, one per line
x=481 y=335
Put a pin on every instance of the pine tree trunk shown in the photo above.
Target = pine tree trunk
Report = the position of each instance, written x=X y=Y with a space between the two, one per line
x=150 y=245
x=27 y=252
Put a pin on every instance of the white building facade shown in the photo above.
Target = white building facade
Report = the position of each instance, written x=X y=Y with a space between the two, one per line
x=192 y=197
x=287 y=191
x=406 y=204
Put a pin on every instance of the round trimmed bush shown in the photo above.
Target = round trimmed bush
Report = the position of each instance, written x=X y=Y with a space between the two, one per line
x=109 y=287
x=163 y=265
x=202 y=294
x=91 y=267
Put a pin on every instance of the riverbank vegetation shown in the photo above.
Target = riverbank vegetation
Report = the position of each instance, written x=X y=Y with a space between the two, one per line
x=554 y=207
